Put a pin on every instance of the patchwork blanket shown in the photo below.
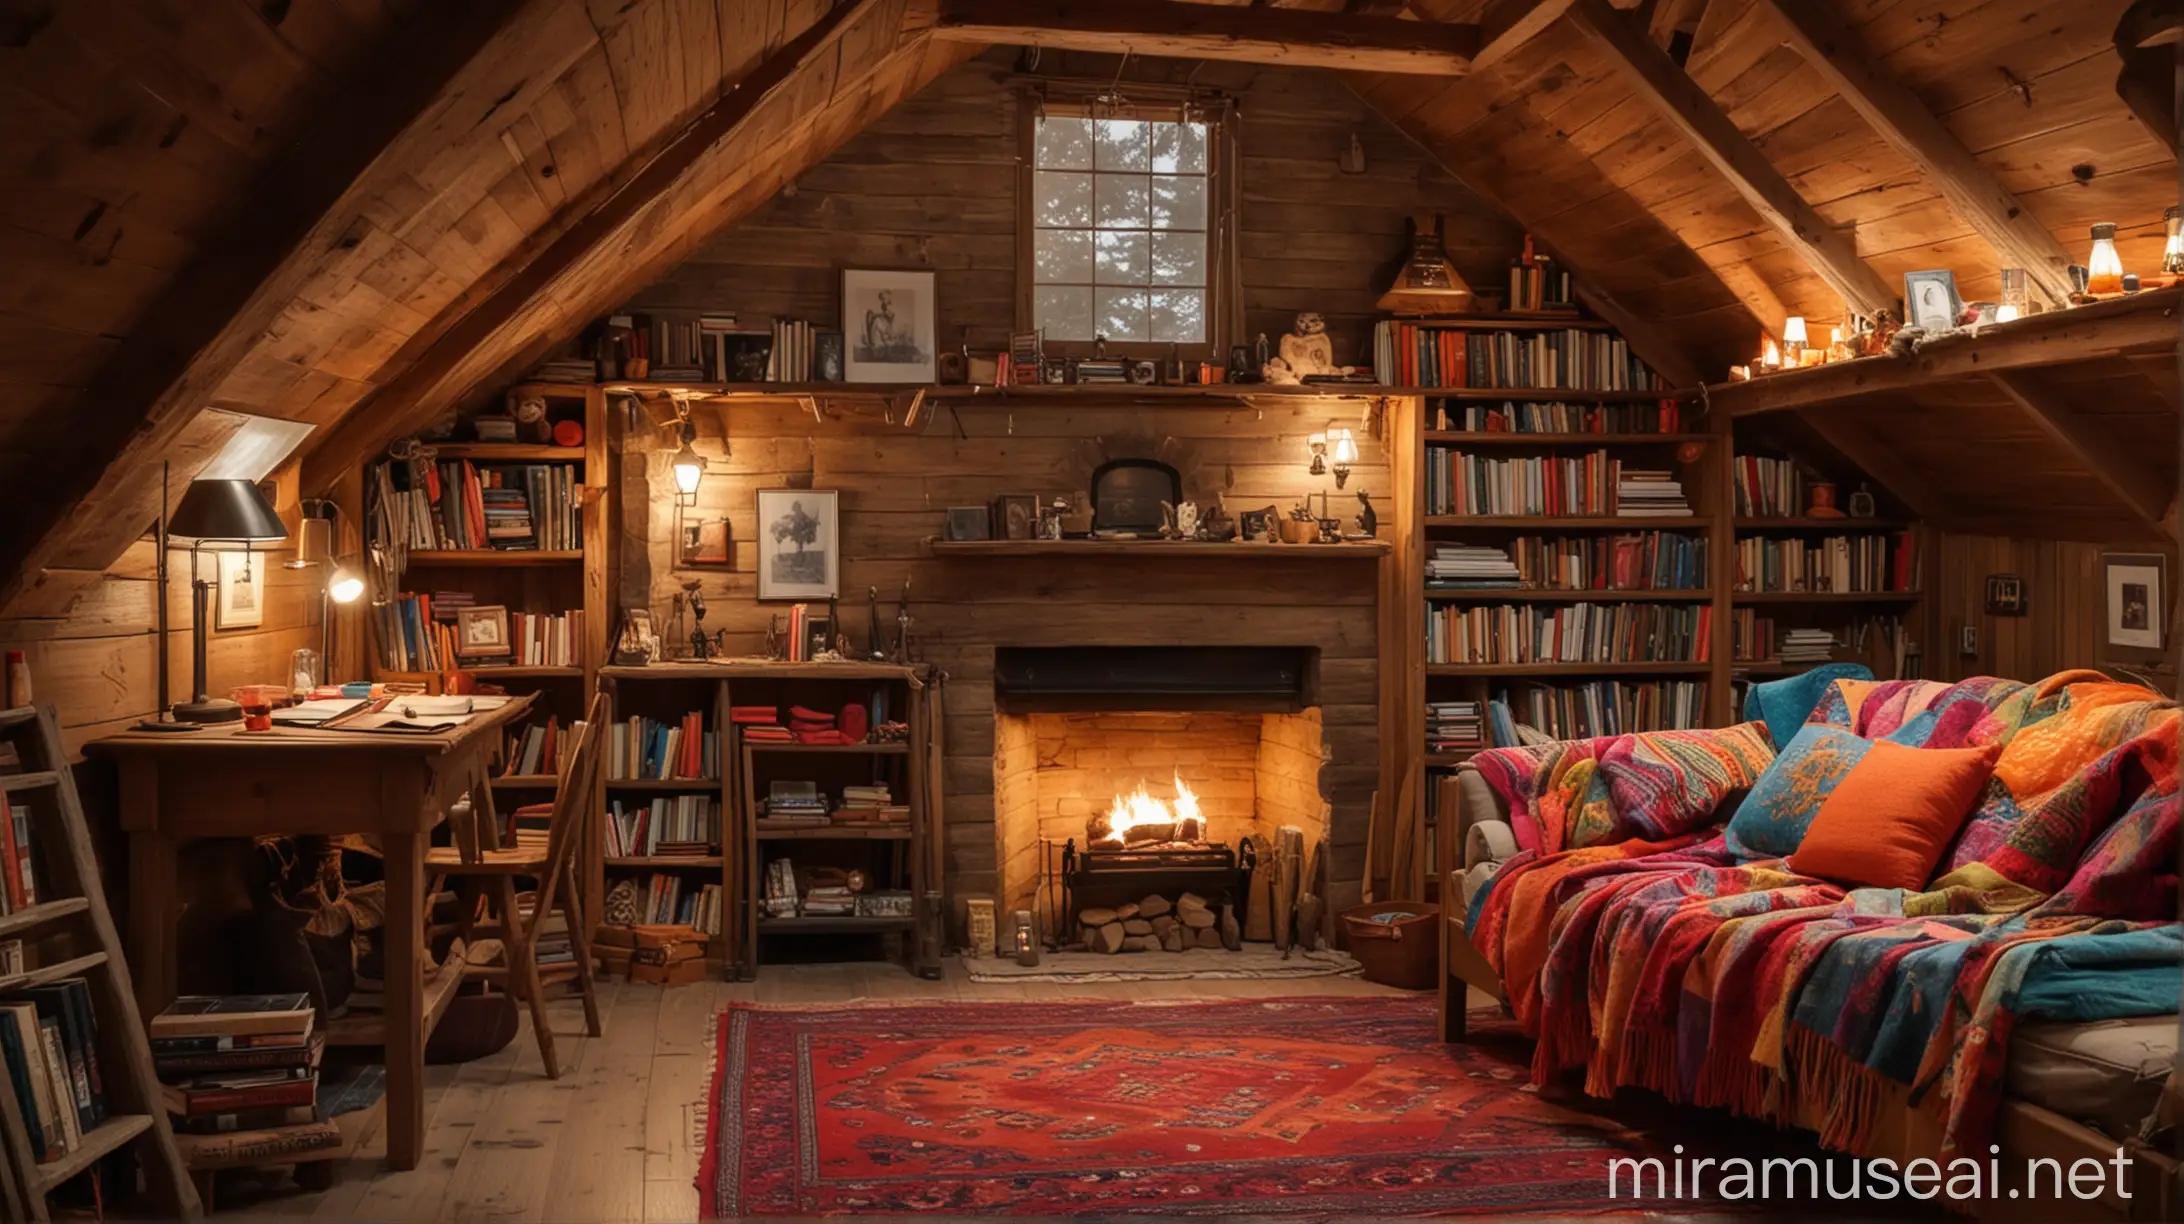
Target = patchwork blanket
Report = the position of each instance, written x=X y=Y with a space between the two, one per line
x=1636 y=946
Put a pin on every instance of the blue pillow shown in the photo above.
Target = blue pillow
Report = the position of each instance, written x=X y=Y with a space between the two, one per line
x=1774 y=815
x=1785 y=704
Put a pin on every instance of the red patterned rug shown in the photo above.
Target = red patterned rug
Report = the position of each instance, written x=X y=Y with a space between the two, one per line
x=1292 y=1106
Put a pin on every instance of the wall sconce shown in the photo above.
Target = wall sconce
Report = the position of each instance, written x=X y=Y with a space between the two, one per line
x=1318 y=445
x=1345 y=445
x=688 y=464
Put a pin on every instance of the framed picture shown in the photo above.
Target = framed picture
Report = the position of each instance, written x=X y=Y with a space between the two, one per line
x=1015 y=516
x=1253 y=525
x=743 y=356
x=2005 y=595
x=2137 y=599
x=706 y=541
x=799 y=543
x=482 y=632
x=241 y=601
x=1930 y=299
x=887 y=318
x=818 y=636
x=827 y=359
x=970 y=523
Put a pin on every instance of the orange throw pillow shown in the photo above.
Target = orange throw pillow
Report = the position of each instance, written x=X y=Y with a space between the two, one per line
x=1887 y=822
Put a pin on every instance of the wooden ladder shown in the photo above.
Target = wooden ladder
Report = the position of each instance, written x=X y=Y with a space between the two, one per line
x=71 y=922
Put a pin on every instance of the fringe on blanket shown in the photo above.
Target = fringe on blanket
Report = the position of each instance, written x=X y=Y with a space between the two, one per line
x=1845 y=1094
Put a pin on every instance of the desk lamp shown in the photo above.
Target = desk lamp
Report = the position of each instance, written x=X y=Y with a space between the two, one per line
x=212 y=512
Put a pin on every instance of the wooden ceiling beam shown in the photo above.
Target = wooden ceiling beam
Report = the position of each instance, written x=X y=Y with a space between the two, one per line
x=1504 y=25
x=1290 y=37
x=2134 y=483
x=219 y=308
x=522 y=296
x=1692 y=111
x=2141 y=323
x=1896 y=113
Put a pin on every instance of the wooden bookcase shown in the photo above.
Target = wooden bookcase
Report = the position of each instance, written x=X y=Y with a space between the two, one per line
x=909 y=858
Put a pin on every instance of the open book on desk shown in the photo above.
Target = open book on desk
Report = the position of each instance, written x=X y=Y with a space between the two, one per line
x=424 y=715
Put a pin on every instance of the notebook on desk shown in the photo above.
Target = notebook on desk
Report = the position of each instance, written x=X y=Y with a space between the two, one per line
x=317 y=713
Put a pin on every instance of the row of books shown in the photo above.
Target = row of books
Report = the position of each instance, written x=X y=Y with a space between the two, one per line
x=1424 y=355
x=682 y=347
x=416 y=634
x=535 y=749
x=1454 y=726
x=646 y=749
x=795 y=351
x=1645 y=561
x=1569 y=633
x=665 y=898
x=457 y=504
x=1538 y=283
x=238 y=1062
x=1588 y=485
x=1768 y=488
x=1839 y=564
x=535 y=639
x=1609 y=707
x=18 y=877
x=49 y=1036
x=671 y=825
x=1556 y=417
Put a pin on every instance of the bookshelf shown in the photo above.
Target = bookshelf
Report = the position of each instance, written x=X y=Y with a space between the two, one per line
x=665 y=696
x=905 y=856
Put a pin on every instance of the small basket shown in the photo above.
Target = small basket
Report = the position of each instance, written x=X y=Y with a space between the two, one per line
x=1400 y=953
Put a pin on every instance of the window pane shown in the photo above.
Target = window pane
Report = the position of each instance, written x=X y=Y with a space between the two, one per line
x=1122 y=145
x=1064 y=144
x=1121 y=314
x=1179 y=148
x=1062 y=255
x=1179 y=259
x=1064 y=312
x=1121 y=201
x=1178 y=203
x=1122 y=258
x=1178 y=316
x=1061 y=199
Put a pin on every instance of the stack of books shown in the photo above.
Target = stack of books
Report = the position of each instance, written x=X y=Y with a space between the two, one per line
x=1650 y=494
x=829 y=901
x=232 y=1063
x=1454 y=726
x=644 y=749
x=760 y=724
x=870 y=806
x=1470 y=567
x=50 y=1038
x=1807 y=646
x=507 y=518
x=566 y=370
x=793 y=805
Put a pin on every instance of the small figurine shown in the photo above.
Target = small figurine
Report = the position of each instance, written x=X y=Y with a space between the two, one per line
x=1308 y=351
x=773 y=638
x=1240 y=369
x=1216 y=524
x=1368 y=522
x=1099 y=348
x=1861 y=502
x=1186 y=520
x=700 y=645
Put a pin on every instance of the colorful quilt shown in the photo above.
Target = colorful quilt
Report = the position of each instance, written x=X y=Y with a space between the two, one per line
x=1650 y=951
x=1572 y=794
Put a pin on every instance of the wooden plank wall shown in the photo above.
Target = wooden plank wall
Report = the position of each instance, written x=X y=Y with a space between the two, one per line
x=98 y=664
x=2064 y=627
x=932 y=184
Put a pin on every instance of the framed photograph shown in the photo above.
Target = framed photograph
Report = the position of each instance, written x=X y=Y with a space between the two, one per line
x=1930 y=299
x=888 y=320
x=2137 y=599
x=818 y=636
x=827 y=359
x=2005 y=595
x=707 y=541
x=970 y=523
x=743 y=356
x=799 y=543
x=482 y=632
x=241 y=594
x=1015 y=516
x=1253 y=525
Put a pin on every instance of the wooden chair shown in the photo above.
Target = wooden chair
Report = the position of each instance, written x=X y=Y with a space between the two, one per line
x=476 y=855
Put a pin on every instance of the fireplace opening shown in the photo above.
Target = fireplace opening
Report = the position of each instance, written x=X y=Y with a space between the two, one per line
x=1143 y=830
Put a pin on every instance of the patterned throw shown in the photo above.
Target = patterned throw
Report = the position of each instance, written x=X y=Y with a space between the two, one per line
x=1655 y=784
x=1313 y=1107
x=1676 y=966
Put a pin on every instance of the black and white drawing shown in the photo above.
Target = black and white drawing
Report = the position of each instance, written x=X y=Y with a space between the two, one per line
x=887 y=321
x=799 y=554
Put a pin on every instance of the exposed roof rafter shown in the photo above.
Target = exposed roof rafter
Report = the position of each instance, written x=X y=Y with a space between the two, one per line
x=2134 y=483
x=1351 y=42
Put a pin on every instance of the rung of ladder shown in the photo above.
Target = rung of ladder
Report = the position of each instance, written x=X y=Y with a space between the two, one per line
x=28 y=781
x=104 y=1139
x=53 y=973
x=46 y=911
x=19 y=714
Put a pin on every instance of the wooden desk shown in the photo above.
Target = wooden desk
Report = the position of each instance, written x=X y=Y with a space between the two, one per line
x=225 y=782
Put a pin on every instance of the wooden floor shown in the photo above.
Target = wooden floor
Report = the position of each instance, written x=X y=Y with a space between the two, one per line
x=616 y=1137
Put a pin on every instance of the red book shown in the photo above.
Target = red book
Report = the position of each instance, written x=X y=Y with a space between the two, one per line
x=196 y=1104
x=10 y=856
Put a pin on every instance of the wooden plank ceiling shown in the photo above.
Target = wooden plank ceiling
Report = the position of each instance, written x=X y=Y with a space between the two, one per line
x=297 y=210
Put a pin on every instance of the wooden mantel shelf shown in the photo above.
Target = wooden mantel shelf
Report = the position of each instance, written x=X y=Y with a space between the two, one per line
x=1359 y=550
x=1216 y=395
x=2141 y=323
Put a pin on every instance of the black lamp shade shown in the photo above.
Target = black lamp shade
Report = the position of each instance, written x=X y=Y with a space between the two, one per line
x=225 y=510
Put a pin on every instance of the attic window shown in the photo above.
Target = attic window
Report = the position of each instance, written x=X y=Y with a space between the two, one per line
x=1121 y=206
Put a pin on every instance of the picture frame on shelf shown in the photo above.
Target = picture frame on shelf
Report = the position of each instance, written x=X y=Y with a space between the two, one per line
x=481 y=632
x=2005 y=595
x=888 y=323
x=707 y=540
x=241 y=591
x=799 y=543
x=1930 y=299
x=1015 y=516
x=970 y=523
x=744 y=356
x=2137 y=604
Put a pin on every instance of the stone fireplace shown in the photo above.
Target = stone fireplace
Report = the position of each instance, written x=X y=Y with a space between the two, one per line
x=1175 y=756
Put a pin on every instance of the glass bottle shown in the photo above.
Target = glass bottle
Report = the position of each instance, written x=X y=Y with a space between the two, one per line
x=2172 y=253
x=2104 y=267
x=305 y=672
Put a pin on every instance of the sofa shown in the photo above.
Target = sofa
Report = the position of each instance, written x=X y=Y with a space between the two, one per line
x=2023 y=996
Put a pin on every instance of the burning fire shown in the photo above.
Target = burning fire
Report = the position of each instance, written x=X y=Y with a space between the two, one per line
x=1141 y=809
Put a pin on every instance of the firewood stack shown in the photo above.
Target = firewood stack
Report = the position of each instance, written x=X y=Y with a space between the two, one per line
x=1157 y=924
